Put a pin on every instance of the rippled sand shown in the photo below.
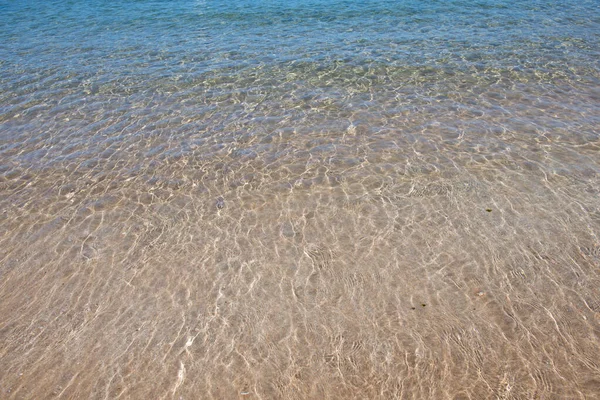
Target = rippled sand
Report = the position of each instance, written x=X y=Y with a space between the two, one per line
x=301 y=230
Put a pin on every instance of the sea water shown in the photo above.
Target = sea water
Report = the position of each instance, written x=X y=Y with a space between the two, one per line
x=299 y=199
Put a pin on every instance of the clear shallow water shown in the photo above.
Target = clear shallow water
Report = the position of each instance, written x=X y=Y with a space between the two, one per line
x=299 y=199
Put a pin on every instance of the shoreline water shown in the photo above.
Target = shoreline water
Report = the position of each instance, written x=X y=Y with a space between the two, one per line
x=309 y=200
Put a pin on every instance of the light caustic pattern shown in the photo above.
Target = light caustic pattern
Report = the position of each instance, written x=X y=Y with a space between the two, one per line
x=209 y=202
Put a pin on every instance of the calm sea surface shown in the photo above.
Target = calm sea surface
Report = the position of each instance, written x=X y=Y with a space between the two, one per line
x=299 y=199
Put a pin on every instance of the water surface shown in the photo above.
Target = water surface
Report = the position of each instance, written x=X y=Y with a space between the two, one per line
x=301 y=199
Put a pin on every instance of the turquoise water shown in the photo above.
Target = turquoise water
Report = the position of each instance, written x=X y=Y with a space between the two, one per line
x=323 y=62
x=301 y=199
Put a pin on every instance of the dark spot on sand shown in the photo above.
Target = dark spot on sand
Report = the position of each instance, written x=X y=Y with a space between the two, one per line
x=220 y=203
